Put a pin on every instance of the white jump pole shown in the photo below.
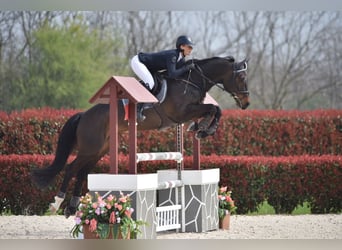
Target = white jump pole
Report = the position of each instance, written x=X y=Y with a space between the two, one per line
x=177 y=156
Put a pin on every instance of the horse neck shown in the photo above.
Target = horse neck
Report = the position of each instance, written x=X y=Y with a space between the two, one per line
x=215 y=69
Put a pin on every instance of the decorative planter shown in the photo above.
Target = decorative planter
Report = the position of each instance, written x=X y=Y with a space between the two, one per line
x=142 y=189
x=225 y=222
x=114 y=233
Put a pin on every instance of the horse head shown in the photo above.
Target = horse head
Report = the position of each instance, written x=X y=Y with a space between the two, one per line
x=225 y=71
x=237 y=84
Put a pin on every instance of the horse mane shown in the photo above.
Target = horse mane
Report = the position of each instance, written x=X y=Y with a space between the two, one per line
x=205 y=60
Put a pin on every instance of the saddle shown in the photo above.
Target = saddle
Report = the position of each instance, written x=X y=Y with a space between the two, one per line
x=160 y=87
x=159 y=91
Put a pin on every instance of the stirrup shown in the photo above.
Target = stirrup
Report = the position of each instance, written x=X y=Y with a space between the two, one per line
x=140 y=116
x=140 y=109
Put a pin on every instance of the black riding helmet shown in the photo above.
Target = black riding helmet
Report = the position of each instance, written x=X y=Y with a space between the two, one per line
x=184 y=40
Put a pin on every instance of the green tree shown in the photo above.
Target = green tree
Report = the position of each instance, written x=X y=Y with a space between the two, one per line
x=68 y=64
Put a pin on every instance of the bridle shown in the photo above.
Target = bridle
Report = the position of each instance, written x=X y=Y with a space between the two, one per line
x=236 y=71
x=235 y=74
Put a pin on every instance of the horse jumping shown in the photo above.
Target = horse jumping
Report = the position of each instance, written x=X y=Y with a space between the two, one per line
x=88 y=131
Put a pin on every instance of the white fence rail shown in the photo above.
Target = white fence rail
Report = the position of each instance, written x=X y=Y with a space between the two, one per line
x=168 y=217
x=177 y=156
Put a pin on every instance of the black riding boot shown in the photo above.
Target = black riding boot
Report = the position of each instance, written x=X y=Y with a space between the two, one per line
x=140 y=109
x=140 y=106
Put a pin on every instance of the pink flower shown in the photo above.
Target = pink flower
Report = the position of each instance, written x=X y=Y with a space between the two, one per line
x=98 y=211
x=86 y=222
x=223 y=189
x=93 y=225
x=123 y=199
x=118 y=206
x=78 y=220
x=108 y=206
x=110 y=198
x=128 y=213
x=112 y=218
x=229 y=199
x=94 y=205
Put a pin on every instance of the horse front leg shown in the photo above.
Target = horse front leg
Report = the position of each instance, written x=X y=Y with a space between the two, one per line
x=215 y=122
x=209 y=123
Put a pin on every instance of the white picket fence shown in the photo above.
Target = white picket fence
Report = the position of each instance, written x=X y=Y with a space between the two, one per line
x=168 y=217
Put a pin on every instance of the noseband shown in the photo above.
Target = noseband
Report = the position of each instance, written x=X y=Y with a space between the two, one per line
x=235 y=75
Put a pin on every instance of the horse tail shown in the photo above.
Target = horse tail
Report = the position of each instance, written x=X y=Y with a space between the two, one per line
x=66 y=142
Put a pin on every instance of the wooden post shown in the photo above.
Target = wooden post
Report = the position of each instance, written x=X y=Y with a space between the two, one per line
x=132 y=138
x=113 y=130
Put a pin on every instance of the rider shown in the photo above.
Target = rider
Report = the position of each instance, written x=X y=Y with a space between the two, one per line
x=145 y=65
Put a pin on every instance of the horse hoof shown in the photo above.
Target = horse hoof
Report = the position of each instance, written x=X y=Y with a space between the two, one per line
x=52 y=209
x=201 y=134
x=193 y=127
x=202 y=126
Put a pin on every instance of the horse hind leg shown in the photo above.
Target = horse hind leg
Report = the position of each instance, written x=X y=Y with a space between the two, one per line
x=59 y=198
x=82 y=174
x=70 y=171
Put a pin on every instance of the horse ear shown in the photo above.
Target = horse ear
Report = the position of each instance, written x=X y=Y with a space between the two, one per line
x=246 y=59
x=230 y=59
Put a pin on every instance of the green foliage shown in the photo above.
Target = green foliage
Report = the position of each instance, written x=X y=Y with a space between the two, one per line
x=67 y=65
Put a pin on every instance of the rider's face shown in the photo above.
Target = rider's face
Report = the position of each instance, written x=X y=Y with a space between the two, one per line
x=187 y=49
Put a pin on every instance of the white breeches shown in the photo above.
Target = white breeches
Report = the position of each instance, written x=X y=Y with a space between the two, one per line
x=141 y=71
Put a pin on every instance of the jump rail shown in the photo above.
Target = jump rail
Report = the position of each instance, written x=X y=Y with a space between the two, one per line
x=177 y=156
x=169 y=184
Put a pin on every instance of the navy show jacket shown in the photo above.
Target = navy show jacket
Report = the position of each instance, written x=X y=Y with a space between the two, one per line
x=164 y=60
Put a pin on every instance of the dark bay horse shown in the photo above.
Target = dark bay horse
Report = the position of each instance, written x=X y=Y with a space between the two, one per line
x=88 y=131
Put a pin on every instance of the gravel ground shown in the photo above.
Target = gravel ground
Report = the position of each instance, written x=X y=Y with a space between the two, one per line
x=241 y=227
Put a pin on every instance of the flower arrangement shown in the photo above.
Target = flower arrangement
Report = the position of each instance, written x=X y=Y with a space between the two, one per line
x=226 y=203
x=104 y=214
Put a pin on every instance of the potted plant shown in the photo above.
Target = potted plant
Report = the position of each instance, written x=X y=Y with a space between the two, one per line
x=105 y=218
x=226 y=207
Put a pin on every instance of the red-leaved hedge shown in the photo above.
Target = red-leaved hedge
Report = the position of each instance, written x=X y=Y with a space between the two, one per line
x=241 y=132
x=32 y=131
x=284 y=182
